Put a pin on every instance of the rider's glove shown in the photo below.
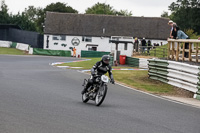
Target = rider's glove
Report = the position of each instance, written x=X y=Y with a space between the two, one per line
x=93 y=73
x=112 y=81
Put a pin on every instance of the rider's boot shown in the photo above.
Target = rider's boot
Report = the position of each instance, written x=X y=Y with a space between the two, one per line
x=85 y=88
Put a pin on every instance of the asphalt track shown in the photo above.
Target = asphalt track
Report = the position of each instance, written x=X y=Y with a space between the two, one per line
x=36 y=97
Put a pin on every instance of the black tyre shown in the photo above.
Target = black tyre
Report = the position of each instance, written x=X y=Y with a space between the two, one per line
x=85 y=98
x=101 y=94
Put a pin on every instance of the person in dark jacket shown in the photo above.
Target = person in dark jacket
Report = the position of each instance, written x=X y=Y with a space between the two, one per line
x=100 y=68
x=149 y=46
x=181 y=35
x=143 y=45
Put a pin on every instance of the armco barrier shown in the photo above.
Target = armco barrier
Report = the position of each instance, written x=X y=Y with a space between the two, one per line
x=177 y=74
x=158 y=70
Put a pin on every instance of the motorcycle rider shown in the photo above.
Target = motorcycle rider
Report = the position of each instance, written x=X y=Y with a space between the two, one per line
x=100 y=68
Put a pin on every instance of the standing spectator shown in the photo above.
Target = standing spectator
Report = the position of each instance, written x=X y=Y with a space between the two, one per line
x=136 y=44
x=174 y=31
x=181 y=35
x=74 y=52
x=148 y=46
x=171 y=24
x=143 y=45
x=173 y=34
x=199 y=38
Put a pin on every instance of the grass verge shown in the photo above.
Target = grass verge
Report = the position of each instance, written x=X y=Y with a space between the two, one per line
x=87 y=64
x=137 y=79
x=84 y=64
x=11 y=51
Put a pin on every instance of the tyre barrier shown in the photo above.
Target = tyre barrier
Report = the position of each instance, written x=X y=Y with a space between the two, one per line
x=35 y=51
x=177 y=74
x=5 y=44
x=137 y=62
x=20 y=46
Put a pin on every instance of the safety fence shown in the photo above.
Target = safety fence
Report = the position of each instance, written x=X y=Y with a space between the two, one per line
x=156 y=51
x=177 y=74
x=137 y=62
x=35 y=51
x=93 y=53
x=184 y=50
x=39 y=51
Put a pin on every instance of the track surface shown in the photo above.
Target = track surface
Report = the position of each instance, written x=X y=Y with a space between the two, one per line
x=38 y=98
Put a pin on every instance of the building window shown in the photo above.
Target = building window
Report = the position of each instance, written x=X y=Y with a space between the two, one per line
x=86 y=39
x=125 y=46
x=55 y=38
x=61 y=37
x=92 y=48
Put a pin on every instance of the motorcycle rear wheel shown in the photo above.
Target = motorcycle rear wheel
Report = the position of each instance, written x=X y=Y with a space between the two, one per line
x=101 y=94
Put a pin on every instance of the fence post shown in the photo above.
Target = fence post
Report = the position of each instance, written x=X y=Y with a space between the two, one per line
x=197 y=51
x=168 y=55
x=163 y=53
x=173 y=52
x=190 y=52
x=177 y=52
x=183 y=54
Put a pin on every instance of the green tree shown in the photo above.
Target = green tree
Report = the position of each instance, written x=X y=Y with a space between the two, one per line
x=32 y=13
x=124 y=13
x=165 y=14
x=186 y=14
x=23 y=21
x=4 y=16
x=191 y=34
x=102 y=8
x=60 y=7
x=53 y=7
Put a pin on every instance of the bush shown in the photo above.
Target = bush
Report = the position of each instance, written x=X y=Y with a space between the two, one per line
x=192 y=34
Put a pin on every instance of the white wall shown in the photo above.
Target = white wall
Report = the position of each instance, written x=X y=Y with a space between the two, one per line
x=121 y=47
x=103 y=43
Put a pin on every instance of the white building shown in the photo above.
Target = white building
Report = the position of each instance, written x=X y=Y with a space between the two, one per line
x=63 y=31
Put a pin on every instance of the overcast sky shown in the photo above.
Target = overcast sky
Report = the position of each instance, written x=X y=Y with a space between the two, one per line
x=146 y=8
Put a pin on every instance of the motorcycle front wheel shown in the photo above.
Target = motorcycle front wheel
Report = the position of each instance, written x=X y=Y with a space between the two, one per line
x=85 y=98
x=101 y=94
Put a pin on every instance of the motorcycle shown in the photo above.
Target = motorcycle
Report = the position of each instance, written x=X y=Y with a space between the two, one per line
x=97 y=91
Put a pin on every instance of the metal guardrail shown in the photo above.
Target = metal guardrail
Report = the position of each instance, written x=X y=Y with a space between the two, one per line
x=177 y=74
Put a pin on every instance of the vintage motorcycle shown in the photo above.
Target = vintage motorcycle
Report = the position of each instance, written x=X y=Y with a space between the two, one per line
x=97 y=91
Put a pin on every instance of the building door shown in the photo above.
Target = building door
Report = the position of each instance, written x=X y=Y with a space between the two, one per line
x=94 y=48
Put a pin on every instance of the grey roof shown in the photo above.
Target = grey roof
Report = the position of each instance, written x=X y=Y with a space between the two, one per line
x=93 y=25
